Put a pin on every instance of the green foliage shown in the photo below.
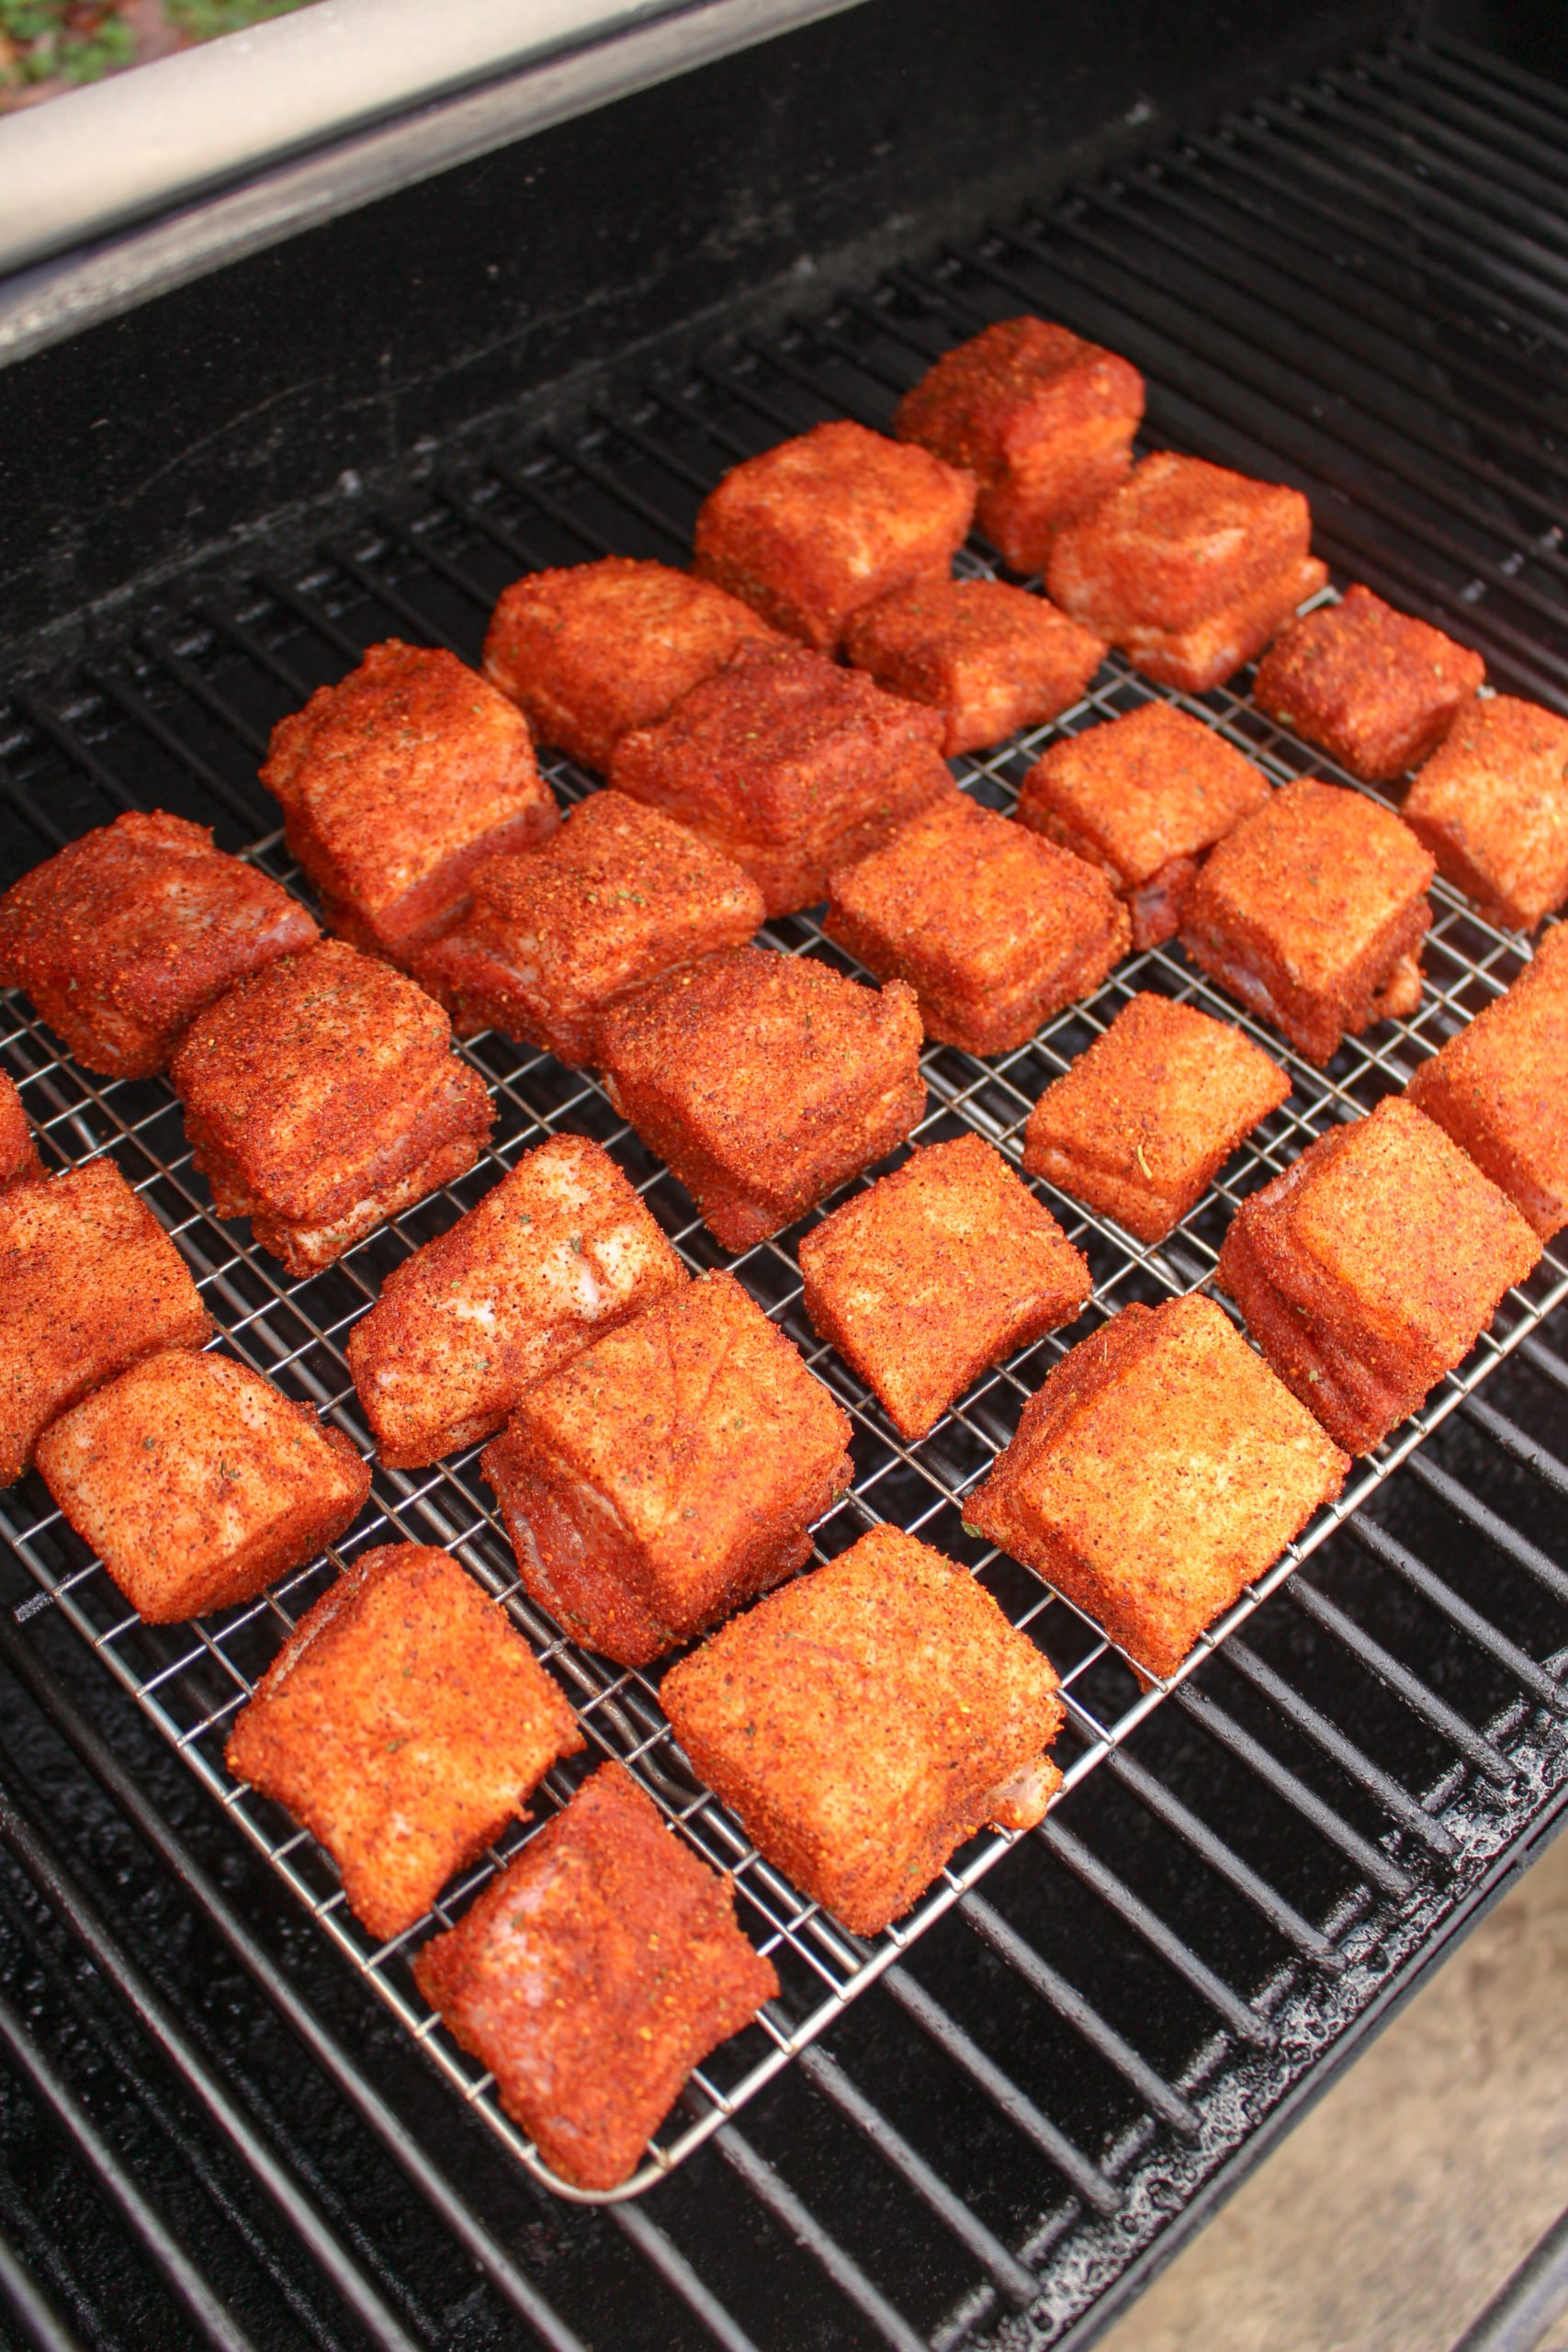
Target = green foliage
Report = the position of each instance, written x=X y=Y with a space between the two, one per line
x=79 y=40
x=205 y=19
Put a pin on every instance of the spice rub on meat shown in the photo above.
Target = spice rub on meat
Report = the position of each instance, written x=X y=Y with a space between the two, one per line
x=89 y=1284
x=1142 y=1122
x=1499 y=1088
x=592 y=1975
x=559 y=1251
x=764 y=1080
x=594 y=649
x=322 y=1096
x=989 y=658
x=1492 y=806
x=1375 y=689
x=1145 y=798
x=197 y=1482
x=1157 y=1472
x=1370 y=1268
x=788 y=765
x=994 y=928
x=405 y=1722
x=121 y=938
x=814 y=528
x=619 y=895
x=867 y=1720
x=1312 y=912
x=942 y=1269
x=19 y=1162
x=396 y=783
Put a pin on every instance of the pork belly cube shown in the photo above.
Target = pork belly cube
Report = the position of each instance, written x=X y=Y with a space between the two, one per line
x=19 y=1162
x=1145 y=798
x=867 y=1721
x=808 y=532
x=989 y=658
x=994 y=928
x=764 y=1081
x=1498 y=1090
x=1189 y=568
x=947 y=1266
x=121 y=938
x=561 y=1250
x=196 y=1483
x=89 y=1284
x=1156 y=1473
x=1144 y=1120
x=592 y=1975
x=1377 y=689
x=790 y=766
x=594 y=649
x=1492 y=806
x=1312 y=912
x=1044 y=421
x=405 y=1722
x=1370 y=1268
x=396 y=784
x=322 y=1096
x=618 y=896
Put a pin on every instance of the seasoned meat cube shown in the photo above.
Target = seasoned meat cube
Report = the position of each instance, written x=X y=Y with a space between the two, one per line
x=994 y=928
x=592 y=1975
x=1370 y=1268
x=789 y=765
x=405 y=1722
x=1159 y=1470
x=396 y=784
x=19 y=1161
x=322 y=1096
x=1376 y=688
x=89 y=1284
x=1043 y=420
x=561 y=1249
x=941 y=1269
x=122 y=937
x=669 y=1473
x=764 y=1081
x=1312 y=912
x=1150 y=1113
x=813 y=529
x=1492 y=806
x=594 y=649
x=989 y=658
x=1145 y=797
x=867 y=1720
x=618 y=896
x=1498 y=1088
x=196 y=1483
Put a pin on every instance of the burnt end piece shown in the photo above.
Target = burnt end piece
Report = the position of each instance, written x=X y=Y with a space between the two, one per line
x=1492 y=806
x=1497 y=1088
x=990 y=658
x=19 y=1162
x=1375 y=689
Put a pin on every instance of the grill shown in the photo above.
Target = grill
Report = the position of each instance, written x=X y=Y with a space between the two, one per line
x=987 y=2125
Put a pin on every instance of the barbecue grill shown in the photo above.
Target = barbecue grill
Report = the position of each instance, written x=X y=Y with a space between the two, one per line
x=229 y=2118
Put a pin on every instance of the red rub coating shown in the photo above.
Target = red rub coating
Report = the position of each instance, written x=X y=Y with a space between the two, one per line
x=1146 y=1118
x=867 y=1720
x=1375 y=689
x=19 y=1162
x=1497 y=1088
x=592 y=1975
x=121 y=938
x=618 y=896
x=1312 y=912
x=669 y=1473
x=322 y=1096
x=989 y=658
x=1145 y=798
x=1370 y=1268
x=1492 y=806
x=396 y=784
x=994 y=928
x=197 y=1482
x=1043 y=420
x=811 y=530
x=404 y=1722
x=790 y=766
x=764 y=1081
x=1158 y=1471
x=89 y=1284
x=947 y=1266
x=594 y=649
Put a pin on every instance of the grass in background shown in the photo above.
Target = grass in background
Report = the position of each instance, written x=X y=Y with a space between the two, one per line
x=50 y=46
